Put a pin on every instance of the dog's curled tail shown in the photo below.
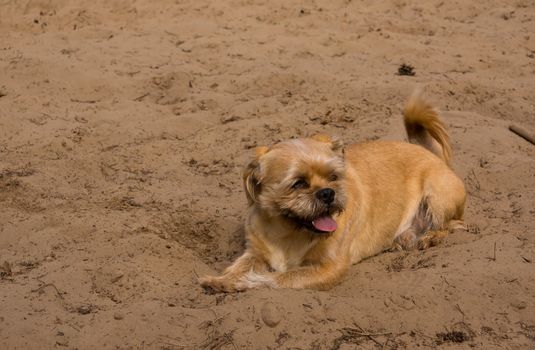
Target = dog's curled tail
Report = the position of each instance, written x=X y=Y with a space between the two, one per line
x=425 y=128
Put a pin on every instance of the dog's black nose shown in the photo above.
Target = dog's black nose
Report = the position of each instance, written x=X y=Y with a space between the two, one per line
x=326 y=195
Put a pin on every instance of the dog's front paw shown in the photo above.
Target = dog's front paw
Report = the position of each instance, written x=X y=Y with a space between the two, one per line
x=255 y=280
x=231 y=283
x=218 y=284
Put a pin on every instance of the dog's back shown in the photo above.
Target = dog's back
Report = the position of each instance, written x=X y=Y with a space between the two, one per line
x=411 y=193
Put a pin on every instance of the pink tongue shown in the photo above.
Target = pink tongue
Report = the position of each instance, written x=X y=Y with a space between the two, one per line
x=325 y=224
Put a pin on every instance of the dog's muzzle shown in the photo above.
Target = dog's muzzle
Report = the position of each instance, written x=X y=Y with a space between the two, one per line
x=326 y=195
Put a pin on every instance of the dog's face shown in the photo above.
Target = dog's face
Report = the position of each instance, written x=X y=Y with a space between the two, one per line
x=300 y=181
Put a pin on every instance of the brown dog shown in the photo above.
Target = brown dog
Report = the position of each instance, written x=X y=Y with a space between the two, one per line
x=313 y=211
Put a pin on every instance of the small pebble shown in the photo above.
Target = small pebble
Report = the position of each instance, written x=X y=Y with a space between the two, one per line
x=520 y=305
x=270 y=315
x=229 y=119
x=118 y=315
x=117 y=275
x=84 y=310
x=62 y=342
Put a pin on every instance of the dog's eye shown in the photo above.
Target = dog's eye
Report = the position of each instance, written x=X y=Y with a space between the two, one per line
x=301 y=183
x=333 y=177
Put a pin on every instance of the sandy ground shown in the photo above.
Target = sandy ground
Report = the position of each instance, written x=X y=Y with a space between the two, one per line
x=124 y=126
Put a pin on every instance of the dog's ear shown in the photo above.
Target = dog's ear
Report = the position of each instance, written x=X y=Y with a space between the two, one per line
x=251 y=180
x=336 y=144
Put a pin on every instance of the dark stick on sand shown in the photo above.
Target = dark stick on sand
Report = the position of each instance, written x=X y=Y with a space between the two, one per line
x=522 y=133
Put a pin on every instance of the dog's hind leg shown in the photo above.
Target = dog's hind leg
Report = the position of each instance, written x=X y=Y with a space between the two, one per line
x=440 y=210
x=431 y=238
x=422 y=233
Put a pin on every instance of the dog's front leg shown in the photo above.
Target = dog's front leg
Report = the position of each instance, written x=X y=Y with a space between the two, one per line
x=321 y=276
x=246 y=272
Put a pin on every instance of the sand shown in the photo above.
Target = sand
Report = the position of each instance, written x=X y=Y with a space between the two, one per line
x=124 y=127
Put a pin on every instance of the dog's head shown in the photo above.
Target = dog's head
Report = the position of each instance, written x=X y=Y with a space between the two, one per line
x=300 y=181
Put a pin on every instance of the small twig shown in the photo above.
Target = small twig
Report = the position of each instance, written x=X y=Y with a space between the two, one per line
x=62 y=301
x=171 y=338
x=217 y=342
x=477 y=184
x=459 y=309
x=494 y=254
x=139 y=98
x=361 y=333
x=523 y=133
x=461 y=71
x=365 y=334
x=176 y=346
x=84 y=101
x=73 y=327
x=445 y=280
x=170 y=33
x=49 y=285
x=215 y=314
